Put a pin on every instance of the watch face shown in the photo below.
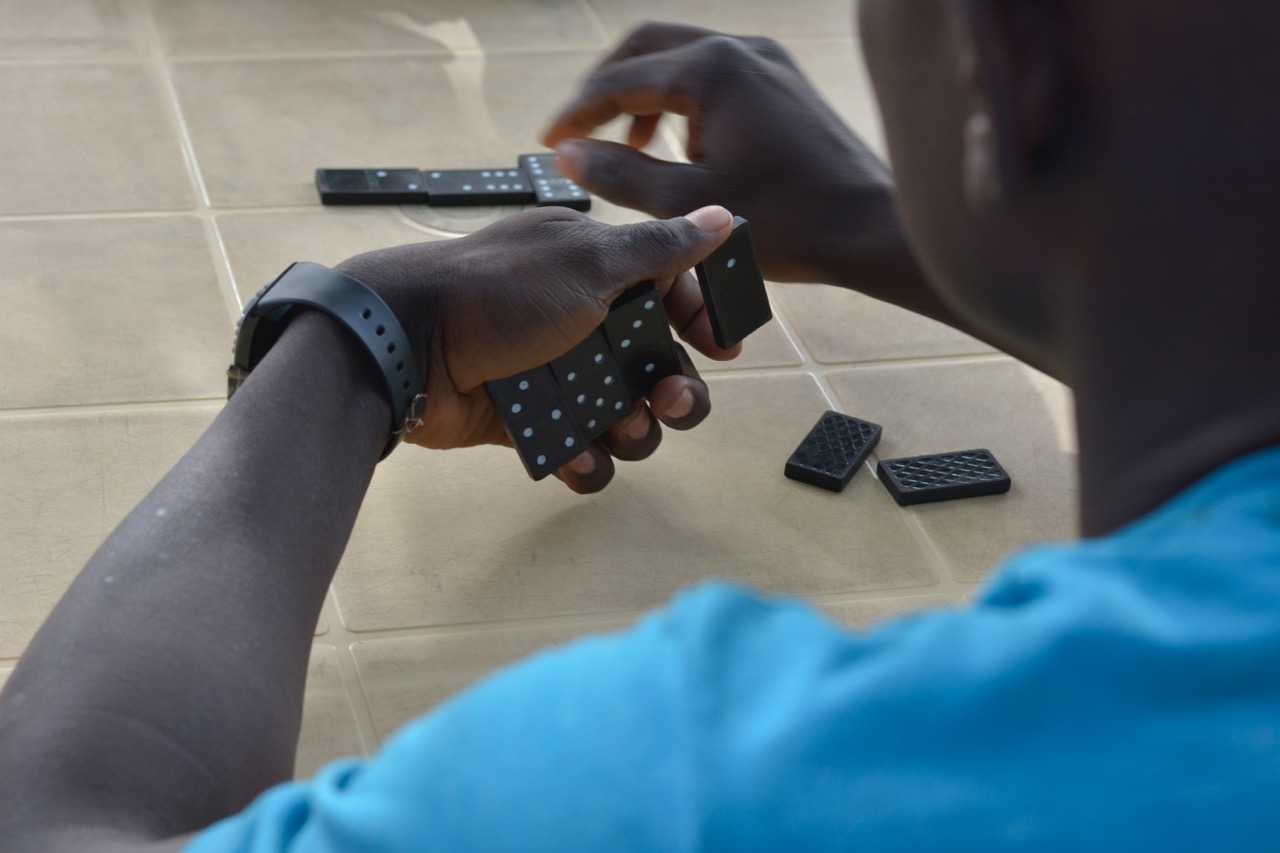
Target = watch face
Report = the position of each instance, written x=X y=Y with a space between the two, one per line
x=252 y=338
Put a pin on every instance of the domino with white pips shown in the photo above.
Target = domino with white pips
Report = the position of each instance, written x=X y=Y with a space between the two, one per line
x=474 y=187
x=553 y=411
x=551 y=188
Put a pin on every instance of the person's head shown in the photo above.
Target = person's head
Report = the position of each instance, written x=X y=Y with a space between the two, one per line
x=1042 y=139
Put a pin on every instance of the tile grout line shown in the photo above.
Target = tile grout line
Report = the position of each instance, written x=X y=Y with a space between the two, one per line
x=339 y=635
x=110 y=408
x=406 y=53
x=357 y=700
x=708 y=372
x=340 y=639
x=82 y=216
x=204 y=207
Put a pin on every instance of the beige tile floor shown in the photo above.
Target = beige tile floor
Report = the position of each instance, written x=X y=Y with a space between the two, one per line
x=156 y=161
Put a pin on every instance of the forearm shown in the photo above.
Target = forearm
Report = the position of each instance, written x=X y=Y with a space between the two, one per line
x=227 y=562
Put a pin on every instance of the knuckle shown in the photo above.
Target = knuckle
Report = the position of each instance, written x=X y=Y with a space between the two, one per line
x=726 y=49
x=767 y=48
x=602 y=84
x=541 y=216
x=732 y=55
x=655 y=244
x=647 y=31
x=694 y=188
x=612 y=173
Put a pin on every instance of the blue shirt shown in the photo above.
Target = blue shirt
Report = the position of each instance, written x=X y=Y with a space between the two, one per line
x=1120 y=693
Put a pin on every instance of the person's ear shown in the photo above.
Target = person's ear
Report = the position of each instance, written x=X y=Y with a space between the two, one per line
x=1013 y=69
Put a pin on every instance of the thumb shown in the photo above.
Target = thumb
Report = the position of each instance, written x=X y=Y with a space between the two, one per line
x=625 y=176
x=660 y=250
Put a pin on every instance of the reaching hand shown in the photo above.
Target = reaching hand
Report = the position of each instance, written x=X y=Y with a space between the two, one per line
x=526 y=290
x=762 y=142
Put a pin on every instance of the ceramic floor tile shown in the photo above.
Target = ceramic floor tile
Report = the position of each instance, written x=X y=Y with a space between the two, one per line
x=405 y=678
x=1021 y=416
x=748 y=17
x=769 y=346
x=261 y=245
x=711 y=502
x=840 y=326
x=69 y=28
x=196 y=27
x=868 y=613
x=329 y=727
x=68 y=480
x=87 y=138
x=130 y=309
x=261 y=128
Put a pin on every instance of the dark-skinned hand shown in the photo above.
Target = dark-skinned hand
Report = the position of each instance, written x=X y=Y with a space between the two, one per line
x=762 y=142
x=526 y=290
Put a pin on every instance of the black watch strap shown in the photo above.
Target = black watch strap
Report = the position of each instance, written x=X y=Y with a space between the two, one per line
x=350 y=303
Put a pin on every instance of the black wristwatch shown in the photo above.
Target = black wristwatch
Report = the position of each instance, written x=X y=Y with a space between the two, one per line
x=355 y=306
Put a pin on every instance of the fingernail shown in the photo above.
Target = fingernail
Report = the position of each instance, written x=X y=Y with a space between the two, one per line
x=583 y=465
x=638 y=428
x=682 y=407
x=711 y=220
x=571 y=158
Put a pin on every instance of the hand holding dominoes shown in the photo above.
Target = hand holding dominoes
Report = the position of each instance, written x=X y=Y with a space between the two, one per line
x=555 y=411
x=517 y=293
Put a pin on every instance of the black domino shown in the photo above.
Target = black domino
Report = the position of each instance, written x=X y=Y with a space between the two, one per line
x=943 y=477
x=733 y=288
x=468 y=187
x=371 y=186
x=538 y=420
x=555 y=410
x=640 y=338
x=833 y=450
x=592 y=383
x=550 y=186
